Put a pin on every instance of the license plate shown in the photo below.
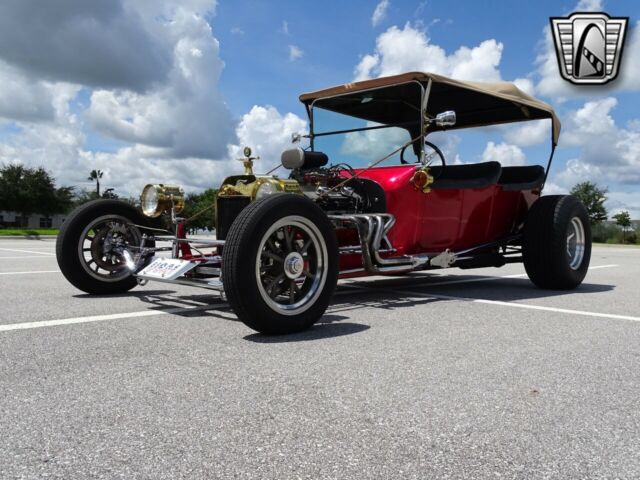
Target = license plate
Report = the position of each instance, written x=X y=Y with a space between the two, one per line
x=166 y=268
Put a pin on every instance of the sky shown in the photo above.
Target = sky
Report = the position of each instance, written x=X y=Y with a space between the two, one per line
x=169 y=91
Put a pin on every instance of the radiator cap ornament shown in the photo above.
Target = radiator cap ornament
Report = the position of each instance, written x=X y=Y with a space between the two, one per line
x=247 y=161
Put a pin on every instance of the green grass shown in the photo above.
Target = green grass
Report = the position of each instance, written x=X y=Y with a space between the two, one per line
x=22 y=232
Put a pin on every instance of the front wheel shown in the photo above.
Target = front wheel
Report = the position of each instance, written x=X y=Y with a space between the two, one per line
x=91 y=243
x=557 y=242
x=280 y=264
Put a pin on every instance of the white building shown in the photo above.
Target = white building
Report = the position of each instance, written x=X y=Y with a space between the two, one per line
x=36 y=220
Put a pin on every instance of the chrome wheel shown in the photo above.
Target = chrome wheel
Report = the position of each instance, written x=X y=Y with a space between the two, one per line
x=291 y=265
x=575 y=243
x=102 y=246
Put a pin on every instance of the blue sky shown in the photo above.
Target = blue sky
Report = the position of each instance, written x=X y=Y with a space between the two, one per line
x=185 y=84
x=335 y=34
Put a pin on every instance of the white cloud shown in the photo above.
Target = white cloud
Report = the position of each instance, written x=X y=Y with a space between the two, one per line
x=56 y=146
x=268 y=133
x=592 y=121
x=366 y=65
x=618 y=201
x=608 y=153
x=420 y=8
x=526 y=85
x=183 y=117
x=630 y=66
x=284 y=28
x=379 y=13
x=371 y=145
x=100 y=44
x=577 y=171
x=529 y=133
x=551 y=188
x=589 y=6
x=22 y=98
x=237 y=31
x=448 y=143
x=409 y=49
x=507 y=155
x=295 y=53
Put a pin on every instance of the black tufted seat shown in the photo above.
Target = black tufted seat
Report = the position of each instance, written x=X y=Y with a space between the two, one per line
x=474 y=175
x=522 y=178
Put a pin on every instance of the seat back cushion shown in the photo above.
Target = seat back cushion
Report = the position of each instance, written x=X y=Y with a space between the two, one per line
x=474 y=175
x=522 y=178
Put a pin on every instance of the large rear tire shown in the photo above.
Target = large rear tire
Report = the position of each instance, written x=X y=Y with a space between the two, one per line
x=89 y=241
x=280 y=264
x=557 y=242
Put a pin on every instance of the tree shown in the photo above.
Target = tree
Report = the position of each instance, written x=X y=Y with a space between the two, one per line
x=623 y=220
x=32 y=190
x=64 y=197
x=13 y=196
x=201 y=202
x=593 y=198
x=96 y=175
x=83 y=196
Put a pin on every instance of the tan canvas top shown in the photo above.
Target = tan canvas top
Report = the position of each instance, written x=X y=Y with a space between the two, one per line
x=475 y=103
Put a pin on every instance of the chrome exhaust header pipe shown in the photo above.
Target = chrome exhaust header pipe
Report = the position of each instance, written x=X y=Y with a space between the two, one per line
x=372 y=230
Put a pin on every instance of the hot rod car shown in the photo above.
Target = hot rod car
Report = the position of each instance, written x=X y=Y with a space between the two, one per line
x=282 y=243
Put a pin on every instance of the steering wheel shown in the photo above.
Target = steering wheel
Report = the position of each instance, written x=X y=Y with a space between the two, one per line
x=429 y=144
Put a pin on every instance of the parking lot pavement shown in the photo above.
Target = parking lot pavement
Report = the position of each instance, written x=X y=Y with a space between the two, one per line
x=457 y=374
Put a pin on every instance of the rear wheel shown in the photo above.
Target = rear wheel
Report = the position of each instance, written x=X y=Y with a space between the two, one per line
x=91 y=243
x=280 y=264
x=557 y=242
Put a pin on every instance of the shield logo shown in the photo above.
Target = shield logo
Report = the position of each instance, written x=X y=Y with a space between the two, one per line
x=589 y=46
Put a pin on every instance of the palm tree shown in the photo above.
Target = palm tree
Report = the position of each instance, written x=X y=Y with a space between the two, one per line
x=96 y=175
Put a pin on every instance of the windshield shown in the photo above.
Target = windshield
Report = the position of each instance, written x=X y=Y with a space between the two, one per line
x=515 y=144
x=357 y=148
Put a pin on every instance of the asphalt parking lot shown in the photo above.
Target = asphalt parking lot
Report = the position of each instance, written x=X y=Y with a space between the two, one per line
x=459 y=374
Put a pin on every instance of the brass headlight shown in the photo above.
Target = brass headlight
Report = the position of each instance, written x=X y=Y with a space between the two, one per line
x=156 y=199
x=266 y=188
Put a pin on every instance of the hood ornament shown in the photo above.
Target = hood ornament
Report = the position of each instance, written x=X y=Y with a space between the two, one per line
x=247 y=161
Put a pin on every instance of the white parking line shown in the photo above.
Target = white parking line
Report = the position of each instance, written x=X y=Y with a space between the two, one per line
x=20 y=257
x=485 y=279
x=22 y=247
x=358 y=282
x=25 y=251
x=27 y=273
x=102 y=318
x=519 y=305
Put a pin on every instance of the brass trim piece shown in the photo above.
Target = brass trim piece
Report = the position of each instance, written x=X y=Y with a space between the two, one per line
x=422 y=179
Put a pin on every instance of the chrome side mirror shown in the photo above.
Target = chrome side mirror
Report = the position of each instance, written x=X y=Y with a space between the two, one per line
x=445 y=119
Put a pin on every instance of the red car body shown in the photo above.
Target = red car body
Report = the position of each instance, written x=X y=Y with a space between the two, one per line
x=455 y=218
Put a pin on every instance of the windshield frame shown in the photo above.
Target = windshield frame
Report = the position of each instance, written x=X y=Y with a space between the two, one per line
x=424 y=98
